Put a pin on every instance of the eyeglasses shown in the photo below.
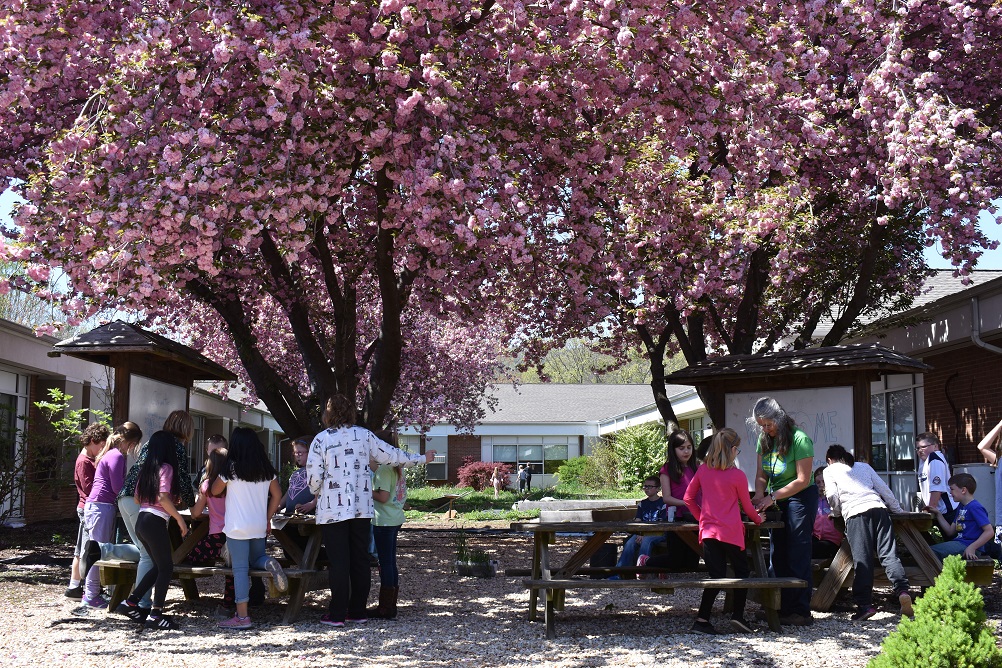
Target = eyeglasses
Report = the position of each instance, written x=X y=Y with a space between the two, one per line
x=920 y=448
x=650 y=486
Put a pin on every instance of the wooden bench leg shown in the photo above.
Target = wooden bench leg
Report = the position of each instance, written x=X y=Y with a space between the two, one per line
x=549 y=613
x=123 y=581
x=771 y=602
x=832 y=583
x=190 y=589
x=297 y=594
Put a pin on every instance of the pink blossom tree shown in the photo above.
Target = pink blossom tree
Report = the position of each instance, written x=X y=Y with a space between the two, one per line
x=343 y=171
x=869 y=133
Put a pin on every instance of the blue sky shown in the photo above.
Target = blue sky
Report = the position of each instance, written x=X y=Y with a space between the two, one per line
x=990 y=260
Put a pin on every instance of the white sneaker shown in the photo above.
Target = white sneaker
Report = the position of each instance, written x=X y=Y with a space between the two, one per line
x=278 y=575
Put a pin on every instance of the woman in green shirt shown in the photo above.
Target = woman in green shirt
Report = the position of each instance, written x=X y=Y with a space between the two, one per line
x=785 y=479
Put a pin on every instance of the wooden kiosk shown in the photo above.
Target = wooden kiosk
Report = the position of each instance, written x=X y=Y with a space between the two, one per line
x=826 y=390
x=153 y=375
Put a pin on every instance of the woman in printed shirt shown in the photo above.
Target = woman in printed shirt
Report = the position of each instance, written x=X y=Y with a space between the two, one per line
x=339 y=475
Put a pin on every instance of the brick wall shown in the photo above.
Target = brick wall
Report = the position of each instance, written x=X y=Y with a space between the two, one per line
x=460 y=446
x=970 y=378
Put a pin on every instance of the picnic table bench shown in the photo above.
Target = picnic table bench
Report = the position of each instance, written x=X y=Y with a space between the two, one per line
x=768 y=589
x=908 y=528
x=302 y=571
x=555 y=581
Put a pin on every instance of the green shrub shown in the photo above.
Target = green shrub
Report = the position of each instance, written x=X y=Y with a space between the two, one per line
x=601 y=471
x=573 y=470
x=949 y=629
x=639 y=453
x=416 y=477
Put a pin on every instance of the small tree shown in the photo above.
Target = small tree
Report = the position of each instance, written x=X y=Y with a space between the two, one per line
x=640 y=452
x=948 y=631
x=35 y=458
x=478 y=474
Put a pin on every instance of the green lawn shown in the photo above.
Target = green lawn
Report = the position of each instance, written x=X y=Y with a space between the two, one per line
x=482 y=505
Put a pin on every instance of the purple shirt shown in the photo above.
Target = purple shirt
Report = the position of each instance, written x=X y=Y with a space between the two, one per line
x=109 y=477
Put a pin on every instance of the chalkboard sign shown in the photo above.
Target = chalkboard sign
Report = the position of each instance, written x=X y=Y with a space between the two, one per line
x=151 y=401
x=825 y=413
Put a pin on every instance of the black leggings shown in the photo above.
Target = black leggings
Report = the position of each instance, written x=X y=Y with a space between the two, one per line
x=151 y=529
x=716 y=554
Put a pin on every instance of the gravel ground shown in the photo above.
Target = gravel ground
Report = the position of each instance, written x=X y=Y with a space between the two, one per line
x=445 y=620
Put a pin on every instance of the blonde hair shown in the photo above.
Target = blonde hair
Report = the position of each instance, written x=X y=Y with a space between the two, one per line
x=721 y=454
x=181 y=425
x=127 y=432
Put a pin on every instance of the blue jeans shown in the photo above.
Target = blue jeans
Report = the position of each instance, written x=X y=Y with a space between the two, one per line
x=790 y=549
x=386 y=549
x=944 y=550
x=245 y=554
x=130 y=511
x=632 y=552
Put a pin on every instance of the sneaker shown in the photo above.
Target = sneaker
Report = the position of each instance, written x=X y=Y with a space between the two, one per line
x=642 y=563
x=278 y=575
x=794 y=619
x=91 y=555
x=96 y=602
x=74 y=592
x=133 y=612
x=223 y=612
x=741 y=626
x=330 y=621
x=161 y=623
x=356 y=620
x=905 y=599
x=706 y=628
x=236 y=622
x=864 y=614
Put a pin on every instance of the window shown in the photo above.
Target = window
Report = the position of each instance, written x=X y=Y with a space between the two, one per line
x=893 y=420
x=553 y=457
x=8 y=428
x=541 y=454
x=436 y=470
x=196 y=448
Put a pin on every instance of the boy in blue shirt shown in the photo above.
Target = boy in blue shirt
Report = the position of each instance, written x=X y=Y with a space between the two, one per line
x=650 y=509
x=971 y=534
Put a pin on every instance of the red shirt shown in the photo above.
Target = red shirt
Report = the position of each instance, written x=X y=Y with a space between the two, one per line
x=83 y=476
x=725 y=493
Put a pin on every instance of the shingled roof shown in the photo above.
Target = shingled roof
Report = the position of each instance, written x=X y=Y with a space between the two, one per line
x=834 y=358
x=101 y=343
x=556 y=402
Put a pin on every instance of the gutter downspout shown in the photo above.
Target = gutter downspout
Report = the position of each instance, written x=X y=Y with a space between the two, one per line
x=976 y=329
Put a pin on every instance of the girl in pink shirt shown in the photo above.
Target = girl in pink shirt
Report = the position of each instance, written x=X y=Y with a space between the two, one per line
x=721 y=532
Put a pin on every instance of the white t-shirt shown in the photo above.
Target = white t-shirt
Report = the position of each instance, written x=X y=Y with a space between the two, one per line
x=933 y=476
x=246 y=508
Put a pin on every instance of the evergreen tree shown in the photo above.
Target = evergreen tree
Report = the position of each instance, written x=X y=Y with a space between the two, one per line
x=949 y=629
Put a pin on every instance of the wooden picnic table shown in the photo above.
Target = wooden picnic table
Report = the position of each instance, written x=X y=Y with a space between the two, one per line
x=908 y=528
x=554 y=580
x=303 y=573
